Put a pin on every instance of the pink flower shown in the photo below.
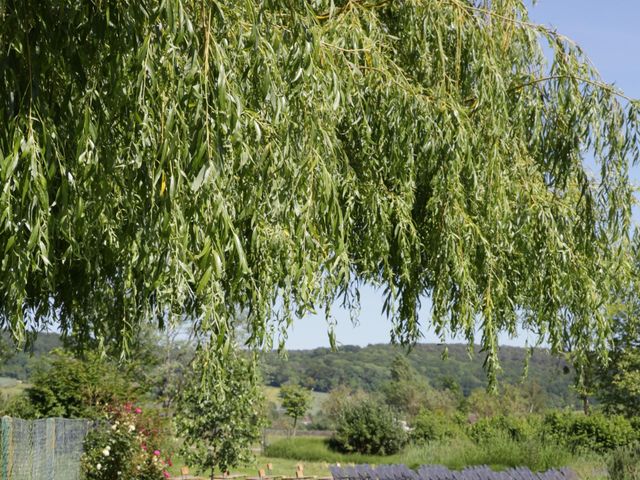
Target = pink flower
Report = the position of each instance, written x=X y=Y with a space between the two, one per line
x=166 y=474
x=138 y=410
x=156 y=453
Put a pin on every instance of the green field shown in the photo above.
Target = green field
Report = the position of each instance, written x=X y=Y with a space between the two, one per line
x=10 y=387
x=318 y=398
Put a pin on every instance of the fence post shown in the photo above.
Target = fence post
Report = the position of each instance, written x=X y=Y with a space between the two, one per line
x=32 y=429
x=7 y=434
x=50 y=448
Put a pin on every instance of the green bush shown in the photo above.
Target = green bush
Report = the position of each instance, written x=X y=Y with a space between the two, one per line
x=316 y=449
x=18 y=407
x=595 y=432
x=624 y=463
x=509 y=427
x=70 y=387
x=370 y=428
x=430 y=427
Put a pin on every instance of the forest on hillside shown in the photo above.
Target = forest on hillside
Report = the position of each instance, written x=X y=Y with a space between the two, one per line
x=368 y=368
x=21 y=364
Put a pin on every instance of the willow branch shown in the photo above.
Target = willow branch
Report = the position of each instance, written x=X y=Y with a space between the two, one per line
x=595 y=83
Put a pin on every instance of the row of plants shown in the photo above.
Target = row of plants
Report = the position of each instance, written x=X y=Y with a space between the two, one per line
x=455 y=453
x=577 y=432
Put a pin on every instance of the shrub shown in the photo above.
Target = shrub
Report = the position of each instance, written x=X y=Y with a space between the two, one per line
x=624 y=463
x=509 y=427
x=70 y=387
x=370 y=428
x=125 y=446
x=594 y=432
x=429 y=427
x=18 y=407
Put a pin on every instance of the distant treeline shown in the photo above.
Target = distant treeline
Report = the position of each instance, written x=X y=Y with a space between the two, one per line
x=20 y=365
x=367 y=368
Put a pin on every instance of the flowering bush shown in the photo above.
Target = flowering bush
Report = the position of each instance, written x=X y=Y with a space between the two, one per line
x=124 y=446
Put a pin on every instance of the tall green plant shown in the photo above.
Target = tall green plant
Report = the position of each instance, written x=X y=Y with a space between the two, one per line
x=624 y=463
x=163 y=160
x=219 y=413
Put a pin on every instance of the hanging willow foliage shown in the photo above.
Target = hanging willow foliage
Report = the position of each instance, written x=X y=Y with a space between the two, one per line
x=181 y=159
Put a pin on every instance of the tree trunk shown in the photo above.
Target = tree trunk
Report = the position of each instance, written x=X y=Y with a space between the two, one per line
x=295 y=423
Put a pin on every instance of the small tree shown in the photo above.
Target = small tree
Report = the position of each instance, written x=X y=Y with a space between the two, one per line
x=220 y=412
x=407 y=393
x=296 y=401
x=339 y=399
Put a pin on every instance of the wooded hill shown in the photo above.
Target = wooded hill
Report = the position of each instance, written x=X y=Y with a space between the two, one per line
x=368 y=368
x=19 y=365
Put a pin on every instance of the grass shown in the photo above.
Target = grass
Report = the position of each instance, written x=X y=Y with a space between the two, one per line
x=281 y=467
x=10 y=387
x=7 y=382
x=455 y=454
x=285 y=454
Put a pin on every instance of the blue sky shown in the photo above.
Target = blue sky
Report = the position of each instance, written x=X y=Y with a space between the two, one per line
x=609 y=32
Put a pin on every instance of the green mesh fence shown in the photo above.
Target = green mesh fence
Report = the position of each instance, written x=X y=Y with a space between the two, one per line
x=47 y=449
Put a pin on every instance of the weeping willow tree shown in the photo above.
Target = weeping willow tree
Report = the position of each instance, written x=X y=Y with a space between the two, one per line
x=163 y=161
